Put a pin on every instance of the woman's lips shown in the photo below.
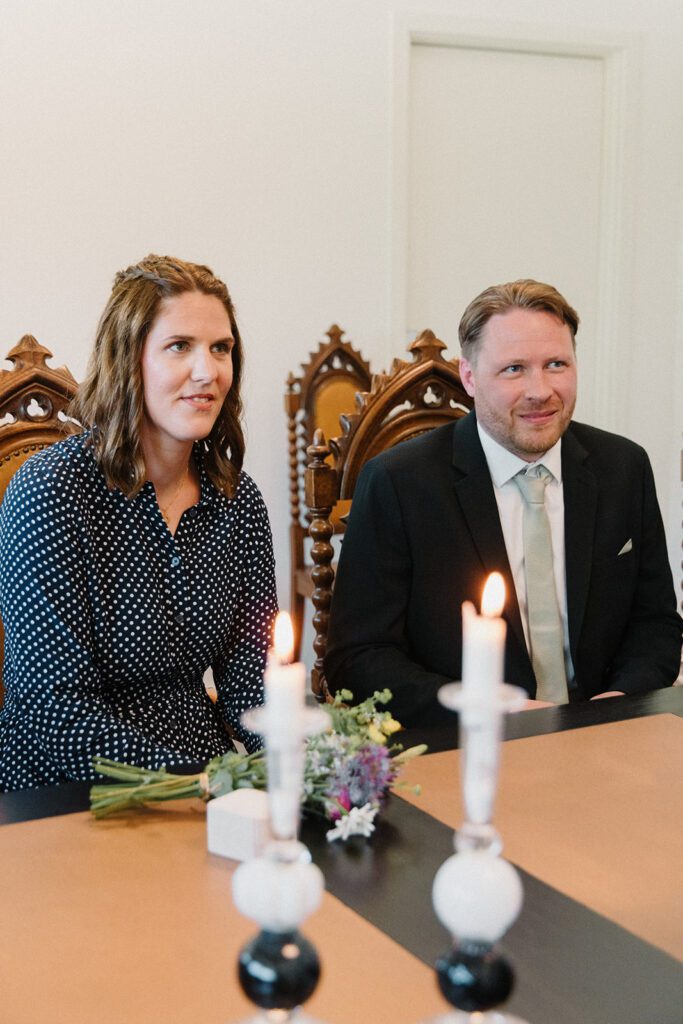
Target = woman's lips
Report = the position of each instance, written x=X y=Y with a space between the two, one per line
x=199 y=401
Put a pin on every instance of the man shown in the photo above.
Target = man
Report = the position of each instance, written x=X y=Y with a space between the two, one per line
x=433 y=516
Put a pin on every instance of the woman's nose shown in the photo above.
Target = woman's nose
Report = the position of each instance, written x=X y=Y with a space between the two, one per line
x=203 y=365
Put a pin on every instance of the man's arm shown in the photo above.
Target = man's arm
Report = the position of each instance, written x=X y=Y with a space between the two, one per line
x=368 y=647
x=649 y=656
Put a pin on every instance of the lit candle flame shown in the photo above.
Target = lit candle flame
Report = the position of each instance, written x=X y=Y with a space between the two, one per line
x=284 y=638
x=493 y=600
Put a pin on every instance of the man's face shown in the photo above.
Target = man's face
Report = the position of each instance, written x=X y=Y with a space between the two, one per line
x=523 y=380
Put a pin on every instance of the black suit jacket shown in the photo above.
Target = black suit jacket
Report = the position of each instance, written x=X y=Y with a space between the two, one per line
x=424 y=533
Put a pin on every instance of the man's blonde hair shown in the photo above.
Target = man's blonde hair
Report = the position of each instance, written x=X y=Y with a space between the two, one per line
x=500 y=298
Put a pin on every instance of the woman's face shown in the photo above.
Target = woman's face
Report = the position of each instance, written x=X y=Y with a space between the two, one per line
x=186 y=369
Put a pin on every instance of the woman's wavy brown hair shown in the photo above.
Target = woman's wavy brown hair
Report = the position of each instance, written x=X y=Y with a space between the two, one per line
x=110 y=399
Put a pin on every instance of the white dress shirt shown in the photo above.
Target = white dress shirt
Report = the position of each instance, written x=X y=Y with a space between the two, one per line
x=503 y=467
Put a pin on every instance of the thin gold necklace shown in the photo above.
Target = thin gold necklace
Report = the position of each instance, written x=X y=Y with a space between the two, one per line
x=176 y=493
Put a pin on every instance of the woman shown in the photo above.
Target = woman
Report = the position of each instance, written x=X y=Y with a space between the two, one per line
x=136 y=554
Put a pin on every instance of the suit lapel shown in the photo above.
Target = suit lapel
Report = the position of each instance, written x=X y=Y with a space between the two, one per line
x=477 y=500
x=580 y=504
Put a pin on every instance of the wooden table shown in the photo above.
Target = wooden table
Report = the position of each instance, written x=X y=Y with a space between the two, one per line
x=131 y=920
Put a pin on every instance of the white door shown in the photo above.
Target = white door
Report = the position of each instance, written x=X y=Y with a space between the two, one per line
x=505 y=152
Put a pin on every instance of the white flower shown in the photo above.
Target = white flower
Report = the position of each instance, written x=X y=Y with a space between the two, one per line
x=314 y=760
x=358 y=822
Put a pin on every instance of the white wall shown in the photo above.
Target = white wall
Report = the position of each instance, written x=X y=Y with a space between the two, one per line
x=259 y=136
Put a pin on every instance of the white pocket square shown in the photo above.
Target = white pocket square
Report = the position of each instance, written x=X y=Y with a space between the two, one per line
x=628 y=546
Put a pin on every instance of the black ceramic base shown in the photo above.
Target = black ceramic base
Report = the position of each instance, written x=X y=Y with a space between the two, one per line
x=279 y=970
x=474 y=977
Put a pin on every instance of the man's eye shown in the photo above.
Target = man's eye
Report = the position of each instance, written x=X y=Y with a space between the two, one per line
x=512 y=369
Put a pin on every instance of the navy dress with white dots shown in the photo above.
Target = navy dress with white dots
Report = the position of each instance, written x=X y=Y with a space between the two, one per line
x=111 y=621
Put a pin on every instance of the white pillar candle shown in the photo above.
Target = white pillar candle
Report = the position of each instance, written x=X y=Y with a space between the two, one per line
x=483 y=654
x=483 y=641
x=285 y=681
x=285 y=685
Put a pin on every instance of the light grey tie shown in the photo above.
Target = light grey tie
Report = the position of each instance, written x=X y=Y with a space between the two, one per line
x=546 y=636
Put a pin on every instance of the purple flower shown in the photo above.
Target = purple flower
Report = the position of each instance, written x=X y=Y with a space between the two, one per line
x=363 y=777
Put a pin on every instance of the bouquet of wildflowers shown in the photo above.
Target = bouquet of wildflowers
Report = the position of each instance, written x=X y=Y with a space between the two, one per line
x=348 y=771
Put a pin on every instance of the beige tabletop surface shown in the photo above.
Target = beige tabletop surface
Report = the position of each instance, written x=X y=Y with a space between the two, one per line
x=131 y=920
x=595 y=812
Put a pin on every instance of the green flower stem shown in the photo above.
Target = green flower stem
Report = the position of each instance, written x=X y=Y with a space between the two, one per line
x=143 y=785
x=359 y=725
x=139 y=785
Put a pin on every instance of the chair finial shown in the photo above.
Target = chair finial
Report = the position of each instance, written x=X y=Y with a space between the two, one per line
x=426 y=346
x=28 y=352
x=335 y=334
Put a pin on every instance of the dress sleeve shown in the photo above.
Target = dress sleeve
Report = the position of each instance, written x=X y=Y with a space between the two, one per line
x=239 y=675
x=53 y=683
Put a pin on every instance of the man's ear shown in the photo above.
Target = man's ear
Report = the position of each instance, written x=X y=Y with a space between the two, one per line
x=467 y=376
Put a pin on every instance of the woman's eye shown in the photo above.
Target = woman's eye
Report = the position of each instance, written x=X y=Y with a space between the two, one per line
x=223 y=346
x=178 y=346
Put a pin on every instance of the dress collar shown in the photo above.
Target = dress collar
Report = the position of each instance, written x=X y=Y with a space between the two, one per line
x=209 y=495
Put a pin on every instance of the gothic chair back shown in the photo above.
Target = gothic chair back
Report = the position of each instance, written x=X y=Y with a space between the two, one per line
x=315 y=401
x=33 y=413
x=414 y=397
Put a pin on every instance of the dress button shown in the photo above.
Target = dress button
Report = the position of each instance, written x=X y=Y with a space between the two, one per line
x=175 y=562
x=180 y=618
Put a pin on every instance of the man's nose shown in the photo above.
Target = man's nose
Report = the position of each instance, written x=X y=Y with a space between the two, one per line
x=538 y=386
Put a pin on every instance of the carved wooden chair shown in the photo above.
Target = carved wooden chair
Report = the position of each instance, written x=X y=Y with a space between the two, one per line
x=413 y=398
x=33 y=413
x=315 y=400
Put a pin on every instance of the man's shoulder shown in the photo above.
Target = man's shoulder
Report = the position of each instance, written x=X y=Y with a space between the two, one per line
x=602 y=444
x=410 y=455
x=413 y=456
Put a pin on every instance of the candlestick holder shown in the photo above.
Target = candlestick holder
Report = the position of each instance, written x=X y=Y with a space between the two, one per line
x=477 y=894
x=279 y=968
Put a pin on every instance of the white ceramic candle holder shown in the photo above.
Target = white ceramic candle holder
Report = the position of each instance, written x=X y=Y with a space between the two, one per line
x=279 y=969
x=481 y=723
x=284 y=736
x=476 y=894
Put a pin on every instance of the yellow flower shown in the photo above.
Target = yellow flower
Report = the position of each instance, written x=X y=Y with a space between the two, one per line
x=409 y=754
x=375 y=734
x=390 y=726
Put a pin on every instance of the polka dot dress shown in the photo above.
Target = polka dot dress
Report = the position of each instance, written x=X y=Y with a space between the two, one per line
x=111 y=622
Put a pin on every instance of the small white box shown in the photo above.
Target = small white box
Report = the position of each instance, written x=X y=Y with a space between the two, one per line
x=237 y=824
